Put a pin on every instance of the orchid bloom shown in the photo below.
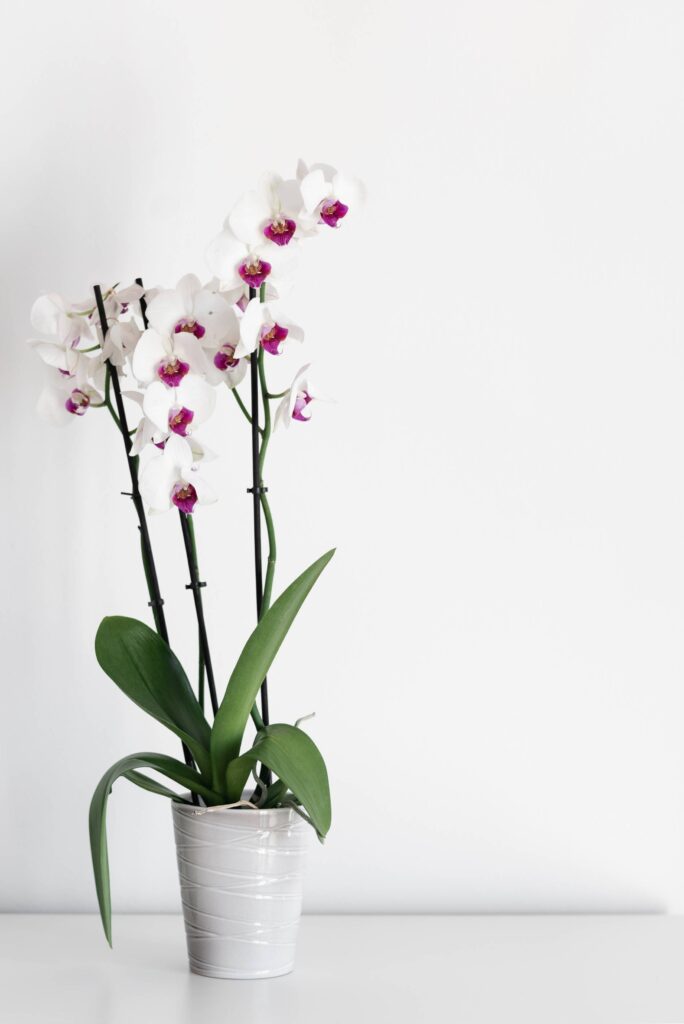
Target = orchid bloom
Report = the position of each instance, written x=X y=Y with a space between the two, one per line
x=122 y=338
x=265 y=324
x=64 y=399
x=181 y=409
x=327 y=194
x=269 y=211
x=226 y=367
x=118 y=300
x=170 y=479
x=190 y=309
x=248 y=259
x=148 y=434
x=67 y=322
x=70 y=333
x=295 y=404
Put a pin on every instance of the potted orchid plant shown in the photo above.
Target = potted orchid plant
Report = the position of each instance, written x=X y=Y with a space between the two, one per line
x=157 y=361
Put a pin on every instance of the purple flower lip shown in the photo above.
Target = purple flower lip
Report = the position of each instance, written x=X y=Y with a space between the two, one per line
x=254 y=272
x=172 y=373
x=159 y=444
x=333 y=210
x=184 y=497
x=180 y=420
x=272 y=340
x=303 y=399
x=77 y=403
x=225 y=358
x=280 y=230
x=190 y=327
x=65 y=373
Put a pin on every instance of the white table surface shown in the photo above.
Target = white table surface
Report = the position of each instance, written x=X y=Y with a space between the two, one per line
x=57 y=969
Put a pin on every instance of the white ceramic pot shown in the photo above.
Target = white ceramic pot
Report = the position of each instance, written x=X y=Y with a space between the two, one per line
x=241 y=877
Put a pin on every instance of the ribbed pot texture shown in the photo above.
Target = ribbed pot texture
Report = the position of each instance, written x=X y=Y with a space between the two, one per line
x=241 y=878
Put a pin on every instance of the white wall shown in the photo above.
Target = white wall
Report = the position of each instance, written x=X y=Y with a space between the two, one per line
x=496 y=653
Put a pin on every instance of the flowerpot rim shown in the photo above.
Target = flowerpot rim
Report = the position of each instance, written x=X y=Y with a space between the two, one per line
x=252 y=811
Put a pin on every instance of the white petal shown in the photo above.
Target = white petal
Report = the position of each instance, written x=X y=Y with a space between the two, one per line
x=283 y=413
x=151 y=350
x=166 y=309
x=214 y=313
x=156 y=481
x=189 y=350
x=224 y=255
x=196 y=395
x=50 y=353
x=248 y=218
x=251 y=323
x=179 y=455
x=314 y=189
x=351 y=191
x=234 y=376
x=290 y=199
x=206 y=494
x=157 y=403
x=187 y=288
x=45 y=311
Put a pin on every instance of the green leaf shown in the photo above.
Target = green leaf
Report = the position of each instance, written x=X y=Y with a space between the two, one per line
x=237 y=774
x=297 y=761
x=146 y=669
x=276 y=792
x=145 y=782
x=252 y=667
x=168 y=766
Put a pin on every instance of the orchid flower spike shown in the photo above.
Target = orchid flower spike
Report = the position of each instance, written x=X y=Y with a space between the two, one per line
x=265 y=324
x=170 y=479
x=296 y=404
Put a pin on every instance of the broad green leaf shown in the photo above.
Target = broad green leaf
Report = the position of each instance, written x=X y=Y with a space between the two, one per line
x=168 y=766
x=146 y=669
x=252 y=667
x=237 y=774
x=297 y=761
x=145 y=782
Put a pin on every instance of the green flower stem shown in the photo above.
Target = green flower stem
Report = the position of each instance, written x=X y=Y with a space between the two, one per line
x=266 y=508
x=107 y=395
x=243 y=407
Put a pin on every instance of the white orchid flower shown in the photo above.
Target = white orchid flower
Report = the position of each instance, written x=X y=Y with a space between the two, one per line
x=178 y=410
x=296 y=403
x=64 y=399
x=244 y=261
x=327 y=195
x=170 y=479
x=168 y=358
x=269 y=211
x=191 y=309
x=68 y=323
x=148 y=434
x=266 y=324
x=118 y=300
x=122 y=338
x=70 y=362
x=225 y=366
